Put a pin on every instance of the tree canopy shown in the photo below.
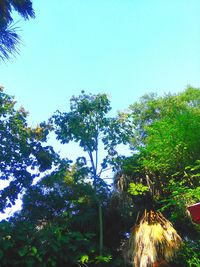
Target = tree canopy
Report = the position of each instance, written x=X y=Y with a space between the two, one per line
x=71 y=215
x=163 y=174
x=22 y=154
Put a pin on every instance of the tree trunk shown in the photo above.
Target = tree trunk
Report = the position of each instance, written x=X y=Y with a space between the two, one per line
x=100 y=230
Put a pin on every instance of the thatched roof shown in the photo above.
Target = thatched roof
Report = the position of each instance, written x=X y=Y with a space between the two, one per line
x=153 y=240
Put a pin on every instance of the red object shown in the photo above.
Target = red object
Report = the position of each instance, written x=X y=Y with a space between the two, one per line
x=195 y=212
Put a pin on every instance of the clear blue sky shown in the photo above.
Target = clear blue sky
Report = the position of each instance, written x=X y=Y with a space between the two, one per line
x=125 y=48
x=121 y=47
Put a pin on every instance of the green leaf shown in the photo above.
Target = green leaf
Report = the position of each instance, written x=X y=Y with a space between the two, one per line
x=106 y=259
x=84 y=259
x=23 y=251
x=33 y=250
x=137 y=189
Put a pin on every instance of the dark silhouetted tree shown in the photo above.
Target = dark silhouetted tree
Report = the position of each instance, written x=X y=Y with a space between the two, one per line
x=9 y=37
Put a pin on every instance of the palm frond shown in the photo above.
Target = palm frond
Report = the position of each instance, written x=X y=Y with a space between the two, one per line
x=9 y=41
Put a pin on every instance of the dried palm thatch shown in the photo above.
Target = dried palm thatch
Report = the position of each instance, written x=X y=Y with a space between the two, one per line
x=153 y=240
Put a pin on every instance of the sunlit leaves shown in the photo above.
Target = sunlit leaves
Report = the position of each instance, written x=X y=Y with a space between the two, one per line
x=137 y=189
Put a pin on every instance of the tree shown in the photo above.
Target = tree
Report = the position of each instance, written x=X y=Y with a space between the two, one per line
x=23 y=155
x=9 y=38
x=163 y=173
x=166 y=137
x=61 y=208
x=56 y=224
x=171 y=144
x=88 y=124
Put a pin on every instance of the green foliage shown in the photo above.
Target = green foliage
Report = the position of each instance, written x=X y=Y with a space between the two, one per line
x=106 y=259
x=48 y=245
x=189 y=256
x=56 y=226
x=137 y=189
x=69 y=212
x=88 y=124
x=167 y=133
x=166 y=160
x=22 y=151
x=84 y=259
x=172 y=142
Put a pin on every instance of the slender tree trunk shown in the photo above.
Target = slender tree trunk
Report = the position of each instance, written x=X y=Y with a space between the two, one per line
x=94 y=167
x=100 y=230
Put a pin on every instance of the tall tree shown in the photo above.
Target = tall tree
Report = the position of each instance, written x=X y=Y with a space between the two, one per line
x=88 y=124
x=9 y=38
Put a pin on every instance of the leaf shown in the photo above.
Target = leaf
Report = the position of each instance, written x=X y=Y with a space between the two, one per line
x=106 y=259
x=137 y=189
x=23 y=251
x=33 y=250
x=84 y=259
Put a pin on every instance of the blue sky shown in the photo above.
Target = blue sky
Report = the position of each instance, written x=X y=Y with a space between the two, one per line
x=123 y=48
